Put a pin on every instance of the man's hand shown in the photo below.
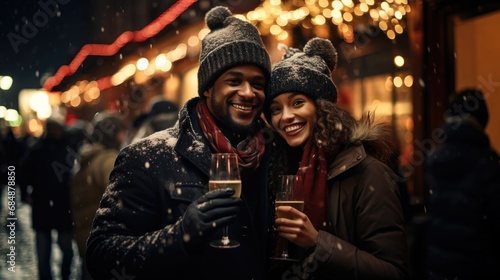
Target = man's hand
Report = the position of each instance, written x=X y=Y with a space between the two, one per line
x=213 y=210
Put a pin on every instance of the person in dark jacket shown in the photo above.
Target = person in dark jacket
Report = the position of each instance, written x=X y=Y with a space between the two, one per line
x=463 y=176
x=46 y=168
x=352 y=226
x=156 y=217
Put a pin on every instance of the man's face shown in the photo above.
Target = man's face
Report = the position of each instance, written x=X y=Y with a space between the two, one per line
x=237 y=97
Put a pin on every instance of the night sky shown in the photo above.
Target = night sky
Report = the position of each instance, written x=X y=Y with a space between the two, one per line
x=36 y=39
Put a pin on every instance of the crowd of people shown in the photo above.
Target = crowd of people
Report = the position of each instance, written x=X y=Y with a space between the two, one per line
x=141 y=209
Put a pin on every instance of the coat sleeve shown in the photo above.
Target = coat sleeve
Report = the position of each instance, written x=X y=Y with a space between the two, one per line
x=129 y=236
x=492 y=193
x=374 y=245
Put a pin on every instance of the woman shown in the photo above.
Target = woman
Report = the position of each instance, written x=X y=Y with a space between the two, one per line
x=352 y=226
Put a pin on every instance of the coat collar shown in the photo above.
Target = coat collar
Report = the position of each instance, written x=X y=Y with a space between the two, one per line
x=346 y=159
x=191 y=143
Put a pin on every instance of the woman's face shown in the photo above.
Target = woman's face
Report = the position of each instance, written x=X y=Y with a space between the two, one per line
x=293 y=116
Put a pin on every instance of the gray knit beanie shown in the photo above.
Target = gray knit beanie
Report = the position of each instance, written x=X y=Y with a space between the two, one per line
x=308 y=72
x=231 y=42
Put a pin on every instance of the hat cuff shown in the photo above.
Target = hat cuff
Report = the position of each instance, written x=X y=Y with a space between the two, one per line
x=228 y=56
x=312 y=83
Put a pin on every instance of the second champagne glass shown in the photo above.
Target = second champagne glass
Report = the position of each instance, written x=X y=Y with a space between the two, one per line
x=225 y=173
x=289 y=193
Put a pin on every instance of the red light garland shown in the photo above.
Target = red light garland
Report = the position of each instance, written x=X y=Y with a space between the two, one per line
x=108 y=50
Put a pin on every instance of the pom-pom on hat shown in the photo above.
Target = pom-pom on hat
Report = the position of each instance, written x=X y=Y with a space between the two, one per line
x=308 y=71
x=230 y=42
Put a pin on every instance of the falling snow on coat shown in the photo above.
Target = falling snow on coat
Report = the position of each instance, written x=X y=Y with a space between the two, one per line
x=137 y=230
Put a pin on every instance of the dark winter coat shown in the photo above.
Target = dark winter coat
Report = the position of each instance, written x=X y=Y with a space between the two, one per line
x=463 y=175
x=47 y=168
x=137 y=230
x=366 y=237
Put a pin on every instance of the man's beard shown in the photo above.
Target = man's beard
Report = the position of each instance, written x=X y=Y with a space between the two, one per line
x=227 y=122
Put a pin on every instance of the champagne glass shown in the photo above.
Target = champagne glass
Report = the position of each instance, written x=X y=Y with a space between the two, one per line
x=224 y=173
x=289 y=193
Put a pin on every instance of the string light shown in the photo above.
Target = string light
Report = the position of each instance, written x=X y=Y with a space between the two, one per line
x=276 y=17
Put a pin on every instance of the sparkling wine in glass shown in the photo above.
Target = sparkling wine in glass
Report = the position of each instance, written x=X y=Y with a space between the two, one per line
x=289 y=193
x=224 y=173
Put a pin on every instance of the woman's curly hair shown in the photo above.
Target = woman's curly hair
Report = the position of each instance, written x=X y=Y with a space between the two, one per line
x=334 y=126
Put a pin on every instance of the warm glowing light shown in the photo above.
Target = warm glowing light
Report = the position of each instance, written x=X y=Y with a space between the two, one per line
x=283 y=36
x=75 y=102
x=38 y=100
x=5 y=82
x=336 y=4
x=11 y=115
x=167 y=66
x=408 y=80
x=142 y=64
x=399 y=61
x=347 y=17
x=275 y=30
x=202 y=33
x=391 y=34
x=398 y=82
x=388 y=83
x=160 y=60
x=3 y=110
x=44 y=112
x=193 y=41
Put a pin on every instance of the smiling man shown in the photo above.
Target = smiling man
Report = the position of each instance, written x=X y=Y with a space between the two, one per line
x=156 y=217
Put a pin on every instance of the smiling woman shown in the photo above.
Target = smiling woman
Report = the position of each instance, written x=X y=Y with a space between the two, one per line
x=343 y=171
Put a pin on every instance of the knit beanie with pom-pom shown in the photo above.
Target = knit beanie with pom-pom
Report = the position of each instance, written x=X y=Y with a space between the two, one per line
x=308 y=71
x=230 y=42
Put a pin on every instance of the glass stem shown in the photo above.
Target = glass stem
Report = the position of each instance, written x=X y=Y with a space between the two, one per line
x=284 y=254
x=225 y=237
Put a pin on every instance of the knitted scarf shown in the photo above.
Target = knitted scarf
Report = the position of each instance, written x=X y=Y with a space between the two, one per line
x=249 y=151
x=313 y=173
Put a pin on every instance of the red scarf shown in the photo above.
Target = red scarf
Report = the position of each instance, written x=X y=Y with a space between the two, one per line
x=249 y=151
x=313 y=172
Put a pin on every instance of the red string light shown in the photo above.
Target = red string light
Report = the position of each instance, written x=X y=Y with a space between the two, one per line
x=108 y=50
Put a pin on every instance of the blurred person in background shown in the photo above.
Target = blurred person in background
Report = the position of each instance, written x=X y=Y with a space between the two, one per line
x=463 y=176
x=46 y=169
x=11 y=150
x=91 y=177
x=162 y=115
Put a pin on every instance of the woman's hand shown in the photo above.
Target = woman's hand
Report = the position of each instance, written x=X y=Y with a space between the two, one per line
x=298 y=230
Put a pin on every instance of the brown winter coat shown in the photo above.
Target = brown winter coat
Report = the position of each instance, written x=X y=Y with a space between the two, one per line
x=366 y=238
x=87 y=186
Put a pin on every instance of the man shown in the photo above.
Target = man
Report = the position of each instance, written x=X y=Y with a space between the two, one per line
x=157 y=217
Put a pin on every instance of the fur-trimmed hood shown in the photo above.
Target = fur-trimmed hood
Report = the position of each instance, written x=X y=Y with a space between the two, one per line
x=377 y=138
